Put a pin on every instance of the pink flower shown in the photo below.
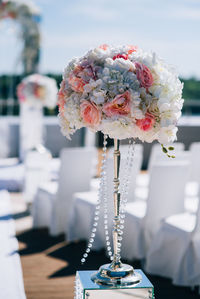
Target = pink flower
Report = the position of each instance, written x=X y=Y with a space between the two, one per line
x=88 y=71
x=119 y=106
x=132 y=49
x=145 y=124
x=104 y=47
x=61 y=97
x=76 y=83
x=90 y=113
x=62 y=91
x=20 y=92
x=124 y=56
x=144 y=75
x=81 y=75
x=39 y=91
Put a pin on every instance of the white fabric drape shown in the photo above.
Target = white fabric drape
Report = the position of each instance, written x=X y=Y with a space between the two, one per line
x=31 y=128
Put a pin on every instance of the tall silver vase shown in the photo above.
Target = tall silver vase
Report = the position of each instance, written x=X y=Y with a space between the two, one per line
x=116 y=273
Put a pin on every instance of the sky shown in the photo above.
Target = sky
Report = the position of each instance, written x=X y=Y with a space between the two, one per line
x=70 y=27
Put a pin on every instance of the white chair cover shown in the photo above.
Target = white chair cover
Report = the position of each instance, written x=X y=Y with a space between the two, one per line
x=12 y=177
x=195 y=162
x=31 y=128
x=4 y=133
x=157 y=150
x=11 y=278
x=187 y=232
x=175 y=250
x=54 y=200
x=166 y=190
x=37 y=172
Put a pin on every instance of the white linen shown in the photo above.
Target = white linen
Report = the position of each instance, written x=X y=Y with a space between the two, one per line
x=55 y=202
x=37 y=171
x=11 y=278
x=175 y=250
x=12 y=177
x=195 y=162
x=31 y=131
x=166 y=193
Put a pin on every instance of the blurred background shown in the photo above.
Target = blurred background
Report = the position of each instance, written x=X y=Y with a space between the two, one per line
x=62 y=30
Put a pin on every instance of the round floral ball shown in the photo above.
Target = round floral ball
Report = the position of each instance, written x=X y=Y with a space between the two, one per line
x=123 y=92
x=38 y=90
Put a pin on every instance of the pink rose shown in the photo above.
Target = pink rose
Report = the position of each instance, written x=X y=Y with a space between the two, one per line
x=76 y=83
x=104 y=47
x=144 y=75
x=90 y=113
x=145 y=124
x=81 y=75
x=119 y=106
x=132 y=49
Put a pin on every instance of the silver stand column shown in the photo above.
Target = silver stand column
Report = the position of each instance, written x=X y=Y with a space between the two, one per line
x=116 y=273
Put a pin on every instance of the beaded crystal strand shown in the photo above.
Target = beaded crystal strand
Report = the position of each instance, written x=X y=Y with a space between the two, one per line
x=101 y=195
x=125 y=189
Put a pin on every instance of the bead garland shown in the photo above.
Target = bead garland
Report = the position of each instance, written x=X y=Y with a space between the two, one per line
x=101 y=194
x=124 y=190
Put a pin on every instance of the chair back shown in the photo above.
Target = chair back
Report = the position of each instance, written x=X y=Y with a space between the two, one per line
x=75 y=172
x=197 y=224
x=156 y=152
x=37 y=172
x=166 y=193
x=195 y=161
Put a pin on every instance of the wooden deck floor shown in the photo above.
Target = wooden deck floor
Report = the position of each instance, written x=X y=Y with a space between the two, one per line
x=49 y=264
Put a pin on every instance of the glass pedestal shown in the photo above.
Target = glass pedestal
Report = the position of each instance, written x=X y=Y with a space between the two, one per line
x=85 y=288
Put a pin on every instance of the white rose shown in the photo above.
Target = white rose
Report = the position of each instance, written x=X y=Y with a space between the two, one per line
x=167 y=134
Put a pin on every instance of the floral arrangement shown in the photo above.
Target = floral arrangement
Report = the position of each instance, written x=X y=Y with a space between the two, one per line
x=38 y=90
x=18 y=9
x=123 y=92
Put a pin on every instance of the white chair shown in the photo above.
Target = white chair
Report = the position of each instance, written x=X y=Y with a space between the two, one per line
x=52 y=203
x=84 y=203
x=175 y=249
x=157 y=150
x=142 y=189
x=166 y=191
x=143 y=179
x=37 y=171
x=11 y=278
x=195 y=162
x=4 y=133
x=12 y=177
x=192 y=187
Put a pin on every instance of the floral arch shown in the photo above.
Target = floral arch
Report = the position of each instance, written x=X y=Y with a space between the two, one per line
x=28 y=15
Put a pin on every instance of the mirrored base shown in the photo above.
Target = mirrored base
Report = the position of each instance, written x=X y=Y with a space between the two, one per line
x=85 y=288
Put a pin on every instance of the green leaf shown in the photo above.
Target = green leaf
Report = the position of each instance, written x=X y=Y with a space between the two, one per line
x=173 y=157
x=164 y=150
x=170 y=148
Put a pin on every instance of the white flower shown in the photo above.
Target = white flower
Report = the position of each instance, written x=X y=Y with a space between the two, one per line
x=38 y=90
x=167 y=134
x=98 y=97
x=111 y=72
x=120 y=129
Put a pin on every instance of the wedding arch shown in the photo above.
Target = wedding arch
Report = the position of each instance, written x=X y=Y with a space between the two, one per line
x=28 y=15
